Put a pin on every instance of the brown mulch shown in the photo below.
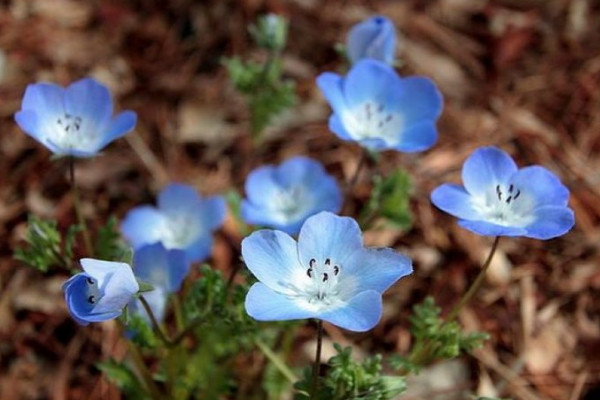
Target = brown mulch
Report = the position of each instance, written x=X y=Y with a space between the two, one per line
x=523 y=75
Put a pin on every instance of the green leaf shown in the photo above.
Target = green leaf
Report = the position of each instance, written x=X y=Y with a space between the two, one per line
x=390 y=199
x=109 y=245
x=122 y=376
x=44 y=245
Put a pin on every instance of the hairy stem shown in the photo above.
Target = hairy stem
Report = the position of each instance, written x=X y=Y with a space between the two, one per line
x=317 y=366
x=162 y=336
x=77 y=205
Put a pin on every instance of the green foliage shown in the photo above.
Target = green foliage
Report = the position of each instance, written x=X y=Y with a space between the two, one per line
x=267 y=93
x=435 y=338
x=109 y=245
x=390 y=199
x=140 y=331
x=124 y=378
x=45 y=247
x=347 y=379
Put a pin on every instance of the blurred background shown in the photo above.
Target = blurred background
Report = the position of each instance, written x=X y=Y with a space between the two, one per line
x=523 y=75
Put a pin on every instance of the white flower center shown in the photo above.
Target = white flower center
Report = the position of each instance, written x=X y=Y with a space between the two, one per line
x=180 y=231
x=72 y=132
x=371 y=120
x=290 y=204
x=505 y=205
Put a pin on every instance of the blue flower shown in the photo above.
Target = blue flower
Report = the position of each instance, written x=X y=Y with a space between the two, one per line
x=183 y=220
x=100 y=292
x=373 y=38
x=76 y=121
x=165 y=270
x=498 y=199
x=283 y=196
x=375 y=107
x=328 y=274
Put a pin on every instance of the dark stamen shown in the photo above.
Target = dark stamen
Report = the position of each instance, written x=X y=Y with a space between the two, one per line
x=510 y=188
x=309 y=272
x=91 y=299
x=498 y=192
x=388 y=118
x=517 y=195
x=336 y=270
x=380 y=108
x=328 y=262
x=325 y=277
x=312 y=262
x=509 y=199
x=90 y=281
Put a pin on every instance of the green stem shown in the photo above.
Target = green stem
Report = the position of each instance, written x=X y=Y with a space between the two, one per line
x=161 y=335
x=77 y=205
x=277 y=361
x=140 y=365
x=476 y=283
x=317 y=366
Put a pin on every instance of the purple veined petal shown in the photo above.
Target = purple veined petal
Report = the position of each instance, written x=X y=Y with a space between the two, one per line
x=542 y=185
x=378 y=269
x=272 y=257
x=326 y=235
x=487 y=166
x=454 y=200
x=143 y=225
x=90 y=101
x=373 y=38
x=122 y=124
x=490 y=229
x=369 y=80
x=360 y=314
x=265 y=304
x=550 y=222
x=417 y=137
x=336 y=126
x=331 y=86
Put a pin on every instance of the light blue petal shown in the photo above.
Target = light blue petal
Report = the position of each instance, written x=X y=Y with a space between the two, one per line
x=260 y=185
x=326 y=235
x=370 y=80
x=418 y=137
x=264 y=304
x=298 y=170
x=454 y=200
x=158 y=266
x=143 y=225
x=263 y=216
x=490 y=229
x=177 y=199
x=272 y=257
x=115 y=281
x=122 y=124
x=378 y=269
x=416 y=98
x=200 y=249
x=76 y=298
x=212 y=212
x=487 y=166
x=156 y=299
x=331 y=86
x=104 y=316
x=542 y=185
x=550 y=222
x=90 y=101
x=45 y=99
x=373 y=38
x=361 y=314
x=336 y=126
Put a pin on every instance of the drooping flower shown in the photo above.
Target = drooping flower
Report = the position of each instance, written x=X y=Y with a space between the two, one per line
x=100 y=292
x=377 y=108
x=74 y=121
x=283 y=196
x=165 y=270
x=498 y=199
x=183 y=220
x=328 y=274
x=373 y=38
